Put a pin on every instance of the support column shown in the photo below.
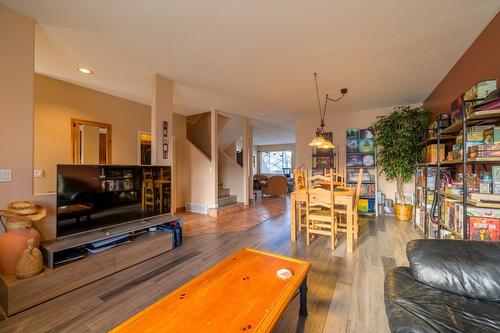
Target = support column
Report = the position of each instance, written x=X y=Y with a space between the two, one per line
x=162 y=140
x=162 y=111
x=214 y=164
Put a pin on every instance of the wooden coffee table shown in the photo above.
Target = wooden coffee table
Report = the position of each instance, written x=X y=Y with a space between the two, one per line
x=240 y=294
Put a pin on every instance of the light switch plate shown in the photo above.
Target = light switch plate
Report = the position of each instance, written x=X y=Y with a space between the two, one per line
x=38 y=173
x=5 y=175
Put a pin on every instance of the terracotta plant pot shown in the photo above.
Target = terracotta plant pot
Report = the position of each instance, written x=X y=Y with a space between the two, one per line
x=14 y=241
x=403 y=212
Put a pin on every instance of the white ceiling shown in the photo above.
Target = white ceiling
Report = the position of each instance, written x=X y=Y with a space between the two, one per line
x=257 y=57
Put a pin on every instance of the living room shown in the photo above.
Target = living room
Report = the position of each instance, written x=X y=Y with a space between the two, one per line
x=162 y=166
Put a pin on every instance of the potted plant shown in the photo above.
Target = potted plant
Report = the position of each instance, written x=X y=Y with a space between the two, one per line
x=396 y=138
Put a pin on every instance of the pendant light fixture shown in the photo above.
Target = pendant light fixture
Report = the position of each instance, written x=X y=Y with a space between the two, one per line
x=320 y=140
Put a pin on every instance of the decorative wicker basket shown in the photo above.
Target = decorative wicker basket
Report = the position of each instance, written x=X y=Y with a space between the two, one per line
x=30 y=263
x=403 y=212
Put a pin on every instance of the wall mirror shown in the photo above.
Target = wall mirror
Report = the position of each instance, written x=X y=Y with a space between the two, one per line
x=91 y=142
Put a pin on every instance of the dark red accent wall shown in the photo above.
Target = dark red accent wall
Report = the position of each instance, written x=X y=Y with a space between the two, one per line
x=480 y=62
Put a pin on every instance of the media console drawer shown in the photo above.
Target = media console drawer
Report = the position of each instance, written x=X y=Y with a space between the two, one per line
x=17 y=295
x=146 y=246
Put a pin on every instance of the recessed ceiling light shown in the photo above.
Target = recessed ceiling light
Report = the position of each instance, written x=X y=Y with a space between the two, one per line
x=84 y=70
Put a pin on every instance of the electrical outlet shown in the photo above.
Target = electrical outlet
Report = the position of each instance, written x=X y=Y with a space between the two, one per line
x=5 y=175
x=38 y=173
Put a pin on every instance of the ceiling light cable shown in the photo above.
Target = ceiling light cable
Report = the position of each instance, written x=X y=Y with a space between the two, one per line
x=317 y=94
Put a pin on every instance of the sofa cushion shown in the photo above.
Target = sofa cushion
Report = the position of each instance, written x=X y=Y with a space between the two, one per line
x=467 y=268
x=415 y=307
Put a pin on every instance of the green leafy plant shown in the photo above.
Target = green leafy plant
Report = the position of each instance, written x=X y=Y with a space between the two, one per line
x=396 y=138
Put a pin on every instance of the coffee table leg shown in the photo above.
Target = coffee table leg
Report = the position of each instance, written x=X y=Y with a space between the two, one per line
x=303 y=298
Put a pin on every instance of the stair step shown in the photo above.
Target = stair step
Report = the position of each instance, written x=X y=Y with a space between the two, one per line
x=223 y=192
x=228 y=200
x=227 y=209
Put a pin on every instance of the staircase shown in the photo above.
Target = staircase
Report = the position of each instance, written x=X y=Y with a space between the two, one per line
x=227 y=203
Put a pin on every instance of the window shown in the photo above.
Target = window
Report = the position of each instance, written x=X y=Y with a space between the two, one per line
x=275 y=161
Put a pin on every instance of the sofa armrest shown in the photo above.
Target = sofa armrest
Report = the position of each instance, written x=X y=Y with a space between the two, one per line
x=466 y=268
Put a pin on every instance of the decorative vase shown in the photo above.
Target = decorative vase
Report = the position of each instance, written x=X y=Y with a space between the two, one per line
x=403 y=212
x=30 y=263
x=13 y=242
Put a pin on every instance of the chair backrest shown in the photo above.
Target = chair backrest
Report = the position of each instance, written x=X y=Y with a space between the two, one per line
x=277 y=184
x=337 y=177
x=299 y=178
x=324 y=181
x=164 y=174
x=147 y=179
x=320 y=196
x=147 y=174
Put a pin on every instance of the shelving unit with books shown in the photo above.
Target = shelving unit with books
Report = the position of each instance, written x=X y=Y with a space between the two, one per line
x=324 y=159
x=424 y=195
x=466 y=201
x=360 y=153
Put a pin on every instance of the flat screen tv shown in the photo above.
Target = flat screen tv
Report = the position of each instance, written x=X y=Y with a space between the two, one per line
x=92 y=197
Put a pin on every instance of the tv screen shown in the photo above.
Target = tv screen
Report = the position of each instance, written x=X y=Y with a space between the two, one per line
x=96 y=196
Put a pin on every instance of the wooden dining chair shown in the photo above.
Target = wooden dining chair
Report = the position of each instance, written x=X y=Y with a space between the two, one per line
x=320 y=209
x=148 y=190
x=342 y=211
x=337 y=177
x=300 y=181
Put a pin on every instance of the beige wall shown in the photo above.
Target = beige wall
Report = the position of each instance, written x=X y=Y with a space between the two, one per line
x=16 y=104
x=181 y=170
x=198 y=131
x=16 y=107
x=201 y=174
x=231 y=174
x=56 y=102
x=338 y=124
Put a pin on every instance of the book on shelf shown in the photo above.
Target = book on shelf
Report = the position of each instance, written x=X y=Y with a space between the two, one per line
x=366 y=205
x=368 y=160
x=365 y=134
x=354 y=160
x=352 y=133
x=484 y=228
x=366 y=146
x=352 y=145
x=431 y=153
x=485 y=197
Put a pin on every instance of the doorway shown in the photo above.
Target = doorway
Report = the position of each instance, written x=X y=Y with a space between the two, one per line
x=144 y=148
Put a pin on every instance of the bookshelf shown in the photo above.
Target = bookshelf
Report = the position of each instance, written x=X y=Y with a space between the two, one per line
x=456 y=196
x=360 y=153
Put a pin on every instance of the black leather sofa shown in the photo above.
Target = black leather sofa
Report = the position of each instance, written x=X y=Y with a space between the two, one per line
x=450 y=286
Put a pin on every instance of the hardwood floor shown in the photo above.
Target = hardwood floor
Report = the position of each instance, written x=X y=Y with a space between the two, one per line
x=345 y=290
x=259 y=211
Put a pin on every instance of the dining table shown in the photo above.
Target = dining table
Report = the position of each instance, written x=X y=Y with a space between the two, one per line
x=344 y=196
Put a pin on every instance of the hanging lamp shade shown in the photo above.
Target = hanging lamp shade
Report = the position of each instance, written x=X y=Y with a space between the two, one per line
x=327 y=145
x=318 y=140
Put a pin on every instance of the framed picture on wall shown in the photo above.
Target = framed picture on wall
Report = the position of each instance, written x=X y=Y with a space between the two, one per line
x=165 y=140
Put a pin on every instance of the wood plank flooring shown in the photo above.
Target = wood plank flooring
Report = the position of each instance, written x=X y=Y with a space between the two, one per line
x=345 y=290
x=259 y=211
